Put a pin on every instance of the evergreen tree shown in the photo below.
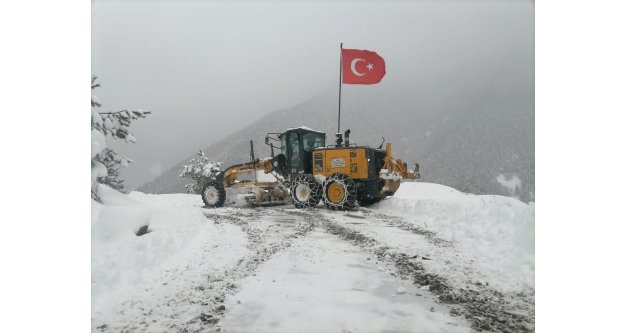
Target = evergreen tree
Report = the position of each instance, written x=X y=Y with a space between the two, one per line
x=105 y=162
x=200 y=169
x=112 y=178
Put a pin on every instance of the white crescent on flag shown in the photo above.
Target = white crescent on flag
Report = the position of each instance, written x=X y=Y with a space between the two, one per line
x=354 y=62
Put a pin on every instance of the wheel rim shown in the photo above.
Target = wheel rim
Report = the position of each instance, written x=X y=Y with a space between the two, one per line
x=302 y=192
x=211 y=195
x=336 y=193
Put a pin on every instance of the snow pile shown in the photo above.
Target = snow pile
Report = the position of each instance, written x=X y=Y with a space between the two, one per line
x=495 y=232
x=126 y=267
x=117 y=219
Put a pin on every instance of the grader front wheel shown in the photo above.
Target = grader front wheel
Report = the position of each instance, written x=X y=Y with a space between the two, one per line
x=305 y=191
x=214 y=194
x=339 y=192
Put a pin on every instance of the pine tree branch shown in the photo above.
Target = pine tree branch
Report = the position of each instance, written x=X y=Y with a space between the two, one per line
x=118 y=112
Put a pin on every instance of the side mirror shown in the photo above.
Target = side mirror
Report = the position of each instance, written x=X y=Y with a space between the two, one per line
x=266 y=140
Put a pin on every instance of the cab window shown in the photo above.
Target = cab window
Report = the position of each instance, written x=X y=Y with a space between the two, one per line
x=294 y=147
x=312 y=141
x=283 y=145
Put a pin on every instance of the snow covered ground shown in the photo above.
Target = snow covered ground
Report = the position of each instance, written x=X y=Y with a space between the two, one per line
x=135 y=278
x=324 y=284
x=495 y=233
x=429 y=259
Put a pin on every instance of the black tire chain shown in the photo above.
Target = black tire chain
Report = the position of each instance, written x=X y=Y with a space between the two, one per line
x=221 y=193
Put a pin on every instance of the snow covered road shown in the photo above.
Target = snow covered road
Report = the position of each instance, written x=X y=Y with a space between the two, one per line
x=387 y=268
x=324 y=284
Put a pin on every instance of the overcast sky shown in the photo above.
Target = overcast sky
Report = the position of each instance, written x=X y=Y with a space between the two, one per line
x=206 y=68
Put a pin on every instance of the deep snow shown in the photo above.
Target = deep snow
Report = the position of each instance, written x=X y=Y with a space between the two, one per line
x=132 y=275
x=494 y=232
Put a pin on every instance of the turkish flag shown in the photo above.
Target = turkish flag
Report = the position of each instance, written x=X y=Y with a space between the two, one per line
x=362 y=67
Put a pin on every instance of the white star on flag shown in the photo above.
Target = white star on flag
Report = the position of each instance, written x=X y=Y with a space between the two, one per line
x=370 y=66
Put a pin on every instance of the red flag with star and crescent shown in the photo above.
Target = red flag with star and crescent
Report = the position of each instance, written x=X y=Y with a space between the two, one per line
x=362 y=67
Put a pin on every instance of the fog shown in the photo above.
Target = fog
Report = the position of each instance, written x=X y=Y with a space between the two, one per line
x=207 y=69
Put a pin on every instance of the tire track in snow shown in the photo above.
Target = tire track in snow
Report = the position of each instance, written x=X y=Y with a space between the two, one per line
x=265 y=240
x=167 y=301
x=484 y=307
x=198 y=306
x=324 y=284
x=270 y=230
x=400 y=223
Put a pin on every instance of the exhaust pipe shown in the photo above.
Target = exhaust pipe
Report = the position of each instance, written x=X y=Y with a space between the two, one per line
x=347 y=137
x=339 y=139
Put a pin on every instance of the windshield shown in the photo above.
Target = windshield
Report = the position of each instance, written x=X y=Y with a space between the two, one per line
x=313 y=140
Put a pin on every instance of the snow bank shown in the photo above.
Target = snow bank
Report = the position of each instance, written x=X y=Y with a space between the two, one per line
x=496 y=232
x=124 y=264
x=118 y=218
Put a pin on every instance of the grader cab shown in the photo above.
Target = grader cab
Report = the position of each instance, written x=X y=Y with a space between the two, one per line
x=308 y=171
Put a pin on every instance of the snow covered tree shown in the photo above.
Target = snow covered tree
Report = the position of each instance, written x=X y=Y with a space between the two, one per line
x=112 y=178
x=200 y=169
x=105 y=162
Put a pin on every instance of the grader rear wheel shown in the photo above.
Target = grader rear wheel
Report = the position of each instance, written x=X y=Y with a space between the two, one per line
x=305 y=191
x=339 y=192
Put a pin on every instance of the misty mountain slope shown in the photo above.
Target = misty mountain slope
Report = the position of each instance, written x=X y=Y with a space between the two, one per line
x=467 y=137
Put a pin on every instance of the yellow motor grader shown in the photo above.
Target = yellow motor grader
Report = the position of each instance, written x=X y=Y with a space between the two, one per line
x=307 y=171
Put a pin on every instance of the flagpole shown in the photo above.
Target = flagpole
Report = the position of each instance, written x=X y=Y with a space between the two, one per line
x=340 y=86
